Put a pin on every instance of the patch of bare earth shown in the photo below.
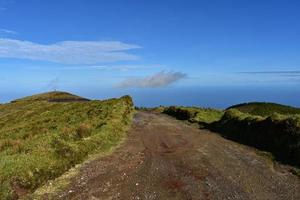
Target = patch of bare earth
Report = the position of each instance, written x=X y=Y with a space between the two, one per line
x=166 y=159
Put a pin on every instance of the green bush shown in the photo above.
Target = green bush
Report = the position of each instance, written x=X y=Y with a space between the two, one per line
x=193 y=114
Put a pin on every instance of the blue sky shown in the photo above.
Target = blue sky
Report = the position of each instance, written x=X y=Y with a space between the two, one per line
x=132 y=46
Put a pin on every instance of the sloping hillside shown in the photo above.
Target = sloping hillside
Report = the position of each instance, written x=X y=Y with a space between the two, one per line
x=39 y=140
x=265 y=109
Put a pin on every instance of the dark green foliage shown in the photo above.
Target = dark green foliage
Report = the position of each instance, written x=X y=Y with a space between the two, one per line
x=277 y=134
x=265 y=109
x=179 y=113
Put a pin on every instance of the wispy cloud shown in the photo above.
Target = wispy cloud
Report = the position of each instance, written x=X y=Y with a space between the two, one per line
x=68 y=52
x=4 y=4
x=160 y=79
x=2 y=7
x=124 y=68
x=7 y=32
x=115 y=68
x=276 y=76
x=273 y=72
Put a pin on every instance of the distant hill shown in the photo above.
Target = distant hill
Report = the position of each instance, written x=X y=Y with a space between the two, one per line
x=55 y=96
x=265 y=109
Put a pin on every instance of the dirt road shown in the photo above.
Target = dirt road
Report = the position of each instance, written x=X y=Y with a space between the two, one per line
x=167 y=159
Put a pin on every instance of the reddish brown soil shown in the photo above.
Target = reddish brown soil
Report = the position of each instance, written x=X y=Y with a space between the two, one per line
x=166 y=159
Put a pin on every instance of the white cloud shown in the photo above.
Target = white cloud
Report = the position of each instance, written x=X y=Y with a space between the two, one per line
x=68 y=52
x=160 y=79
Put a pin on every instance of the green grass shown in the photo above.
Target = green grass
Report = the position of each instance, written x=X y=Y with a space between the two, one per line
x=194 y=114
x=265 y=109
x=40 y=140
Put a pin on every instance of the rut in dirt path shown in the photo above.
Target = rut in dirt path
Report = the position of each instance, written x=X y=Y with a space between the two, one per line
x=166 y=159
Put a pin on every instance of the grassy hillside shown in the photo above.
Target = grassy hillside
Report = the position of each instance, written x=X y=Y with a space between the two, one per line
x=39 y=140
x=194 y=114
x=265 y=109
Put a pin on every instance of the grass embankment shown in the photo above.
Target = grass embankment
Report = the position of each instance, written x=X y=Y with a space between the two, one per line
x=254 y=124
x=279 y=134
x=202 y=116
x=40 y=140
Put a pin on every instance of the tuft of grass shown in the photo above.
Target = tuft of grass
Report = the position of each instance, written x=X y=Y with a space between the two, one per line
x=84 y=130
x=40 y=140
